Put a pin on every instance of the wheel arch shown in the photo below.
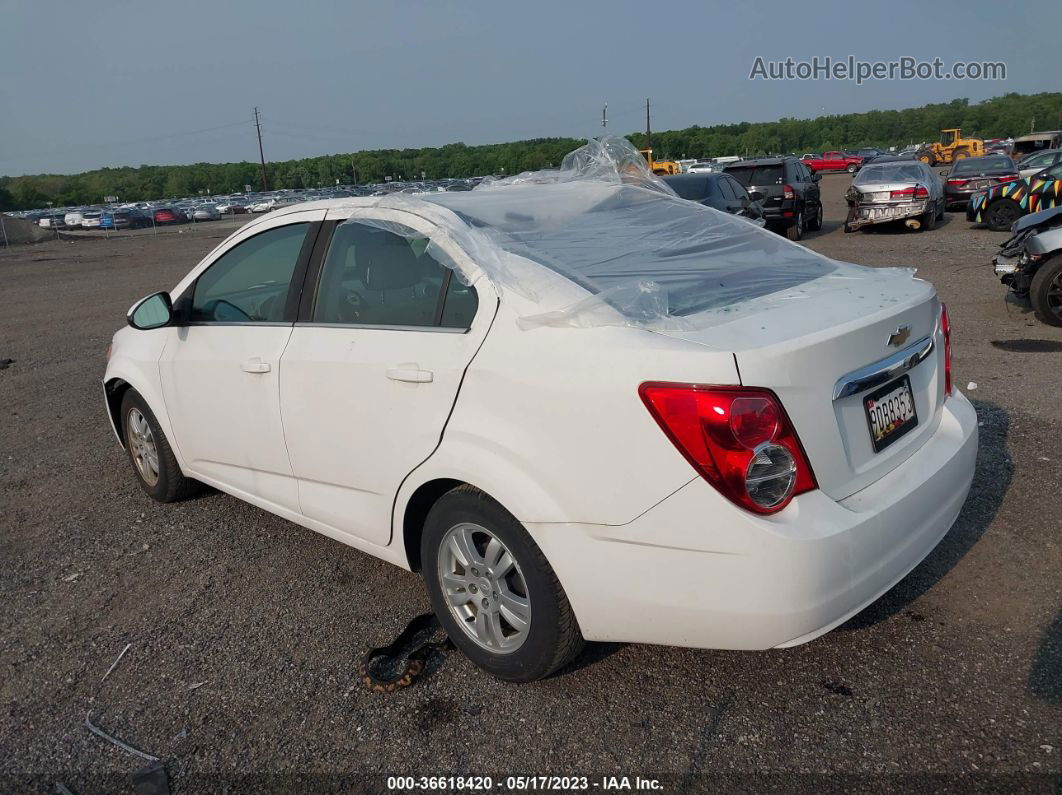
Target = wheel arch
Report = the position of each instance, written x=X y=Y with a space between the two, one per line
x=416 y=513
x=114 y=390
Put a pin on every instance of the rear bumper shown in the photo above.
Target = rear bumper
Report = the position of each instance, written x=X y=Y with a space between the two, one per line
x=697 y=571
x=867 y=214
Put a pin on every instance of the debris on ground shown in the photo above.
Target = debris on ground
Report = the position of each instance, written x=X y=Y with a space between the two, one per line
x=151 y=780
x=115 y=741
x=972 y=385
x=5 y=363
x=115 y=663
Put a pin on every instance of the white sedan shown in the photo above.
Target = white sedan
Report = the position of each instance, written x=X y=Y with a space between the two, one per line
x=580 y=407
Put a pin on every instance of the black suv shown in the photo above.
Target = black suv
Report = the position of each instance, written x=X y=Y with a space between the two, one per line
x=788 y=189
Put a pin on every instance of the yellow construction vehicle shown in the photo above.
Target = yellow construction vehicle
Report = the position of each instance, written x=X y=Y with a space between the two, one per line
x=952 y=147
x=660 y=167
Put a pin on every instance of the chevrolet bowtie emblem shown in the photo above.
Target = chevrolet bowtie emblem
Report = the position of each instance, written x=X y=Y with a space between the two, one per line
x=900 y=336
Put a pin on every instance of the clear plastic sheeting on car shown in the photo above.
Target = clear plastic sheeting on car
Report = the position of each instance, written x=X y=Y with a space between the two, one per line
x=645 y=257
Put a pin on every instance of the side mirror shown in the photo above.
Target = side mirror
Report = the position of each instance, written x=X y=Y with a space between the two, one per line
x=152 y=312
x=755 y=195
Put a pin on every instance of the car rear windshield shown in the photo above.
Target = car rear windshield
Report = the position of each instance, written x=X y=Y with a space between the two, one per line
x=757 y=175
x=889 y=172
x=613 y=240
x=692 y=186
x=974 y=165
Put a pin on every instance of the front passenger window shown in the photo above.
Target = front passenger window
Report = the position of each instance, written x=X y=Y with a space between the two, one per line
x=250 y=281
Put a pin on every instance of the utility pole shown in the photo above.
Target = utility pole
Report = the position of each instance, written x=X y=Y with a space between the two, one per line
x=604 y=116
x=648 y=132
x=261 y=153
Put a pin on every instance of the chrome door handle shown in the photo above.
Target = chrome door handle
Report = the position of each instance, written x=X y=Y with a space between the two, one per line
x=255 y=365
x=411 y=374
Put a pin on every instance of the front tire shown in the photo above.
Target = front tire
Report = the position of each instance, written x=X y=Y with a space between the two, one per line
x=494 y=591
x=815 y=224
x=149 y=452
x=851 y=168
x=1045 y=292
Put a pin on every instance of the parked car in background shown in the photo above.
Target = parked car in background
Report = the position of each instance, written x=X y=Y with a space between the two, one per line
x=1030 y=263
x=1001 y=206
x=1035 y=142
x=1038 y=161
x=73 y=219
x=168 y=215
x=232 y=207
x=55 y=221
x=206 y=212
x=834 y=161
x=91 y=219
x=791 y=199
x=704 y=168
x=888 y=158
x=974 y=174
x=900 y=191
x=867 y=152
x=720 y=191
x=129 y=218
x=754 y=477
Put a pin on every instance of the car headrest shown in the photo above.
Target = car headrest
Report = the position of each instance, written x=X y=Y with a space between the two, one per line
x=387 y=262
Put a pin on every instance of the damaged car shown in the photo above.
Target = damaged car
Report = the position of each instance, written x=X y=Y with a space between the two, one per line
x=1001 y=206
x=579 y=406
x=906 y=191
x=1030 y=263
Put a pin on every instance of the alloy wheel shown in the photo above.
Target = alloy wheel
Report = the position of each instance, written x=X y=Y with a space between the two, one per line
x=142 y=447
x=484 y=588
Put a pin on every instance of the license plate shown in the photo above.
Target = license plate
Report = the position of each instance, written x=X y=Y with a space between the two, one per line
x=890 y=413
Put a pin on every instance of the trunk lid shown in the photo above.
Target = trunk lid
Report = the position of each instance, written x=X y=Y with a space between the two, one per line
x=805 y=350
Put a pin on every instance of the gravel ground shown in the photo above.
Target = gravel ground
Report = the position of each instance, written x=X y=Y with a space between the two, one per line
x=245 y=630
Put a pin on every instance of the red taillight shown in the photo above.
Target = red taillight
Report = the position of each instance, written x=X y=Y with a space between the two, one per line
x=740 y=440
x=957 y=181
x=918 y=192
x=1007 y=179
x=787 y=192
x=945 y=327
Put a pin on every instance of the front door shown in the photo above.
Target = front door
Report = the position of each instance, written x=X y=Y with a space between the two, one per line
x=370 y=375
x=220 y=366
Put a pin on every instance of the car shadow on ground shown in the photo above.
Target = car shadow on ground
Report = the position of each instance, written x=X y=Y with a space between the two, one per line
x=1045 y=677
x=992 y=479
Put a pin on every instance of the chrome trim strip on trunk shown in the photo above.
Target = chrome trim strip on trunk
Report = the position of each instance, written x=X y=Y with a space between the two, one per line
x=883 y=371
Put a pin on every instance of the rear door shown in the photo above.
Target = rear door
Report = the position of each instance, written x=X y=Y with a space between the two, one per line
x=373 y=367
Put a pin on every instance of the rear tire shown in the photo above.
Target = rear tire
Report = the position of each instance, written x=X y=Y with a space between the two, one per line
x=959 y=154
x=851 y=168
x=796 y=231
x=1045 y=292
x=154 y=464
x=1001 y=214
x=504 y=559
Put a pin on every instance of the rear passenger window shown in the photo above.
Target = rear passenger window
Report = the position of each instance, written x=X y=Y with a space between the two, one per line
x=374 y=277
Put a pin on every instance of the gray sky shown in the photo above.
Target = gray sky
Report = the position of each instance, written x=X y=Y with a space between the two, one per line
x=95 y=84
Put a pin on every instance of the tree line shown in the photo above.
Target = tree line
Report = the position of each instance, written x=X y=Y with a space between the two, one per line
x=1000 y=117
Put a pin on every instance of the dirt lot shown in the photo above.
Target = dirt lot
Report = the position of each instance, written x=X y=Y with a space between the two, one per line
x=245 y=630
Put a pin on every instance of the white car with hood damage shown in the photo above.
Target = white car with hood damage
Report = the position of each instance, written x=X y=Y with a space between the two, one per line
x=581 y=407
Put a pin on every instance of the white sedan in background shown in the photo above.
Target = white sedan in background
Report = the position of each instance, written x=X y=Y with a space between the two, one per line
x=581 y=408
